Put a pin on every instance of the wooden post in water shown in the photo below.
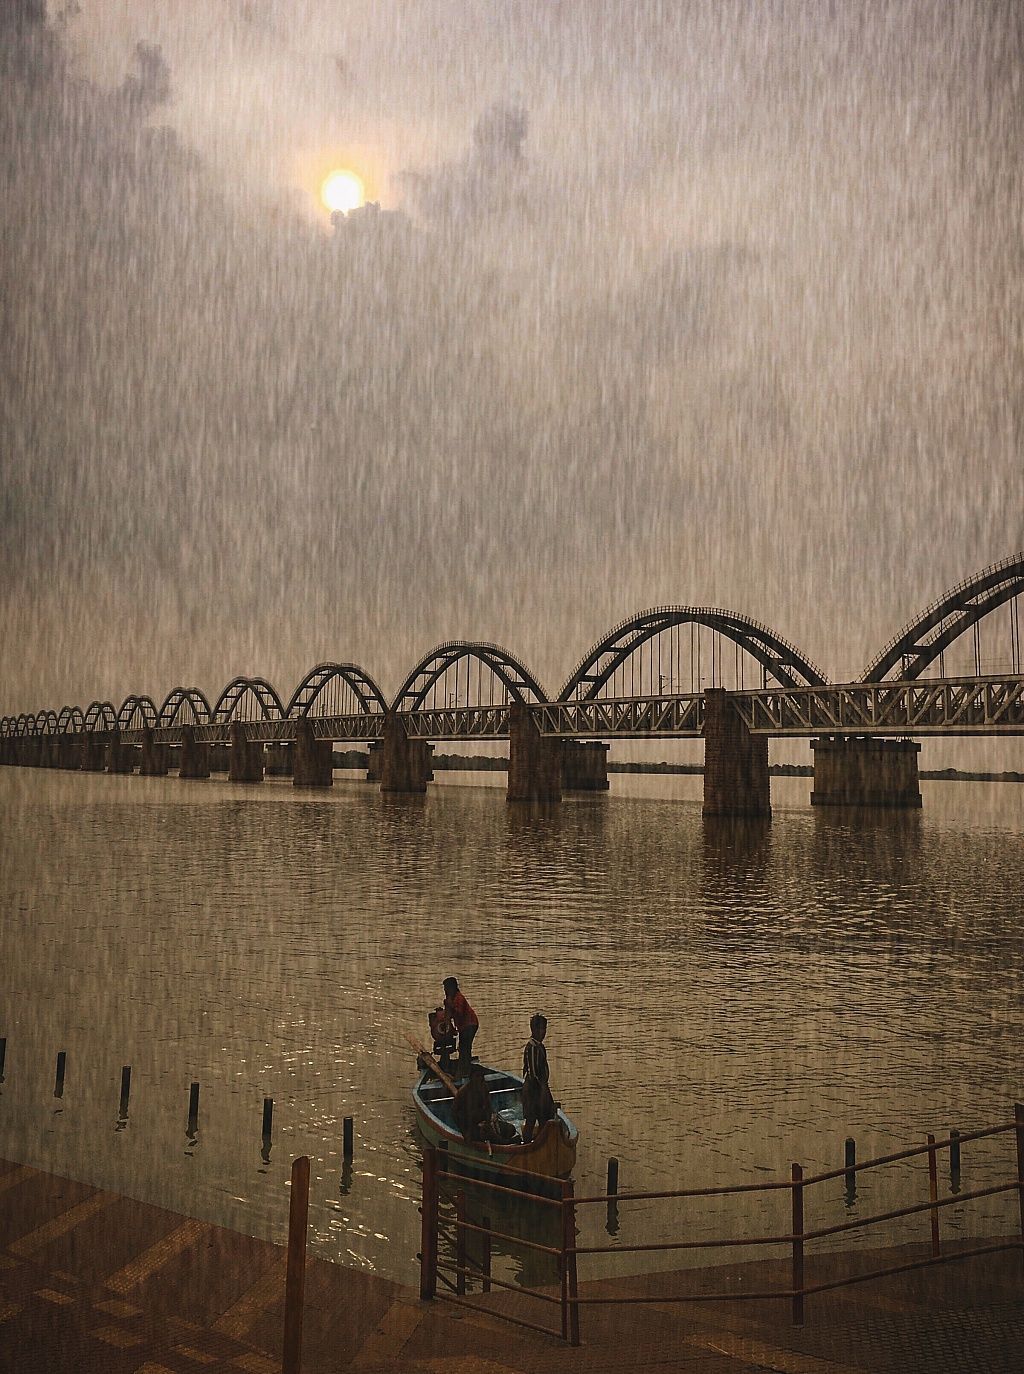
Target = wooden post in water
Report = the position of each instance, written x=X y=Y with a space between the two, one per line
x=570 y=1284
x=933 y=1193
x=295 y=1282
x=193 y=1109
x=798 y=1245
x=428 y=1233
x=3 y=1055
x=1018 y=1117
x=954 y=1154
x=126 y=1088
x=268 y=1117
x=58 y=1083
x=348 y=1147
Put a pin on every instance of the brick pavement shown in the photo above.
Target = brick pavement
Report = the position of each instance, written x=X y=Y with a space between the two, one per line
x=90 y=1281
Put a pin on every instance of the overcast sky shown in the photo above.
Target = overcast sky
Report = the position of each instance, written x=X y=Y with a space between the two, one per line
x=713 y=303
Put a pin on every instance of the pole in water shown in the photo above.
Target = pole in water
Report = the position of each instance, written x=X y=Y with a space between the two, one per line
x=611 y=1223
x=268 y=1117
x=347 y=1146
x=851 y=1165
x=613 y=1175
x=3 y=1055
x=126 y=1088
x=954 y=1161
x=58 y=1086
x=193 y=1109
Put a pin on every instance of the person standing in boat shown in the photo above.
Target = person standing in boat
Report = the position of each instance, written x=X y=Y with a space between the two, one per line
x=461 y=1018
x=538 y=1104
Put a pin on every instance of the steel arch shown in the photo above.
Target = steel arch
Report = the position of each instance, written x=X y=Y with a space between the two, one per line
x=924 y=639
x=143 y=706
x=318 y=679
x=21 y=730
x=70 y=721
x=191 y=697
x=520 y=683
x=100 y=715
x=46 y=723
x=234 y=693
x=775 y=654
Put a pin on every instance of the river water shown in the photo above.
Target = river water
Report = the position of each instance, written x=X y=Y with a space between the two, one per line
x=722 y=1000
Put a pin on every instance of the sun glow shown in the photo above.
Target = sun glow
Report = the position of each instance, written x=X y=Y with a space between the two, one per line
x=342 y=190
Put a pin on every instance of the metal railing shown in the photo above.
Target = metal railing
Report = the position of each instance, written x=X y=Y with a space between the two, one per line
x=454 y=1273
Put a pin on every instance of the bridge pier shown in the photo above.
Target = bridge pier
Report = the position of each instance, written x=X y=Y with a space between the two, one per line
x=94 y=754
x=584 y=766
x=195 y=757
x=246 y=756
x=69 y=754
x=404 y=762
x=312 y=759
x=375 y=758
x=121 y=758
x=736 y=780
x=155 y=757
x=861 y=771
x=534 y=760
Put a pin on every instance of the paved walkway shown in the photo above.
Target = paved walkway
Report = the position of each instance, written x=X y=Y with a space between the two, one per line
x=91 y=1281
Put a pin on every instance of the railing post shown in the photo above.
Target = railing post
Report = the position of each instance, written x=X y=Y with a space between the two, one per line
x=428 y=1233
x=460 y=1243
x=570 y=1291
x=1018 y=1117
x=485 y=1258
x=933 y=1194
x=798 y=1245
x=295 y=1280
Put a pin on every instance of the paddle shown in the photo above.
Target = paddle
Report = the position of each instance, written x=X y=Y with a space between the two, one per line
x=430 y=1063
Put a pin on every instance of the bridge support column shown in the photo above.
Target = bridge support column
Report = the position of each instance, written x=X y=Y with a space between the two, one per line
x=584 y=766
x=534 y=760
x=375 y=755
x=404 y=762
x=195 y=757
x=155 y=760
x=69 y=753
x=246 y=756
x=121 y=758
x=866 y=772
x=312 y=759
x=736 y=781
x=94 y=754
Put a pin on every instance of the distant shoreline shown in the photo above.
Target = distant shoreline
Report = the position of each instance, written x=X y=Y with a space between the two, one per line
x=489 y=763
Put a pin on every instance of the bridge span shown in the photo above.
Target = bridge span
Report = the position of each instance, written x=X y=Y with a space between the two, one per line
x=629 y=686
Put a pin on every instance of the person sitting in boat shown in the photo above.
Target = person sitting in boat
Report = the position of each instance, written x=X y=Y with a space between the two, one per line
x=472 y=1106
x=538 y=1104
x=444 y=1037
x=461 y=1017
x=475 y=1115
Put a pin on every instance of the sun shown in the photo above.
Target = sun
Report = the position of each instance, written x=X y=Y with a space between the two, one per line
x=342 y=190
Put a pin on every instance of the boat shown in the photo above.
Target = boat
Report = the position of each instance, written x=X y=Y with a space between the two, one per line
x=550 y=1154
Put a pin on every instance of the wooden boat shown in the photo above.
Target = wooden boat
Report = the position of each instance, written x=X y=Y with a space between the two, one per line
x=551 y=1153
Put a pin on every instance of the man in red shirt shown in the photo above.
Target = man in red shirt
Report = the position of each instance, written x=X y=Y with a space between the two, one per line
x=462 y=1018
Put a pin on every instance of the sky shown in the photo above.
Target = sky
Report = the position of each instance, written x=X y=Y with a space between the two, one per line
x=707 y=303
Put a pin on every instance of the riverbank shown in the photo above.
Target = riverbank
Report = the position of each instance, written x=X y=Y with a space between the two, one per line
x=93 y=1281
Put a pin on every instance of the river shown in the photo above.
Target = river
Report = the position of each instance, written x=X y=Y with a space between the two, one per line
x=722 y=1000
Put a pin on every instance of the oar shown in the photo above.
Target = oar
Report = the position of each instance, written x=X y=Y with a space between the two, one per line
x=432 y=1064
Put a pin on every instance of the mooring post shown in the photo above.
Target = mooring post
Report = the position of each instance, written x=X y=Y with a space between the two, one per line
x=954 y=1155
x=3 y=1055
x=933 y=1193
x=268 y=1117
x=613 y=1177
x=798 y=1245
x=1018 y=1117
x=295 y=1282
x=347 y=1148
x=58 y=1085
x=851 y=1168
x=193 y=1109
x=428 y=1227
x=126 y=1087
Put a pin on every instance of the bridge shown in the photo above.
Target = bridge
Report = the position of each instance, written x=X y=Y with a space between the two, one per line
x=746 y=685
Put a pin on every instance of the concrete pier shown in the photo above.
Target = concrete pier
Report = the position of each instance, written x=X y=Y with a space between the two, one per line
x=155 y=757
x=121 y=758
x=866 y=772
x=584 y=766
x=404 y=762
x=376 y=759
x=195 y=757
x=736 y=781
x=534 y=760
x=312 y=759
x=94 y=754
x=246 y=756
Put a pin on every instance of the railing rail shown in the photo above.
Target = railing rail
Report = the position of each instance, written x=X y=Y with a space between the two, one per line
x=799 y=1236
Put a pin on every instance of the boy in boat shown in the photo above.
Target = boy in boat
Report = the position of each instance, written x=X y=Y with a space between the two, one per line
x=538 y=1105
x=461 y=1017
